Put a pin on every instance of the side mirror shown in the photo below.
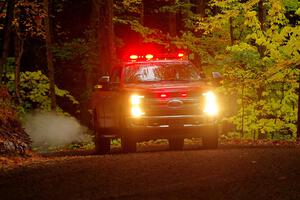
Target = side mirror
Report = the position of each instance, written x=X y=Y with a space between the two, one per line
x=217 y=78
x=103 y=83
x=104 y=79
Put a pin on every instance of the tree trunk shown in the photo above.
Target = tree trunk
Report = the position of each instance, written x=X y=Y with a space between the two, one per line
x=231 y=29
x=172 y=22
x=6 y=36
x=261 y=18
x=201 y=5
x=103 y=33
x=298 y=115
x=142 y=13
x=106 y=36
x=261 y=14
x=19 y=50
x=48 y=6
x=102 y=53
x=200 y=9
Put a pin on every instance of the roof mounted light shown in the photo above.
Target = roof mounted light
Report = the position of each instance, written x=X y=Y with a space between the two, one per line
x=157 y=56
x=149 y=56
x=133 y=57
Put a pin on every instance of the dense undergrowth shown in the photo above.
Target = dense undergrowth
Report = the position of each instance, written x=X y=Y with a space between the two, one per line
x=13 y=138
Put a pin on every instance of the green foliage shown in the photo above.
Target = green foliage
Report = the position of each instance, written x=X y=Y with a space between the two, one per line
x=34 y=92
x=133 y=6
x=291 y=5
x=70 y=50
x=260 y=68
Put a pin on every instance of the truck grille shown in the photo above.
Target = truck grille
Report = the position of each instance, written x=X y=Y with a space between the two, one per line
x=173 y=106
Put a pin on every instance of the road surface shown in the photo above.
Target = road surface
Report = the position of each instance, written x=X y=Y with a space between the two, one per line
x=226 y=173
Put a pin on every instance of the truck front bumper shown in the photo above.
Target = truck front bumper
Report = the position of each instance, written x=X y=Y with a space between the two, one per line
x=179 y=126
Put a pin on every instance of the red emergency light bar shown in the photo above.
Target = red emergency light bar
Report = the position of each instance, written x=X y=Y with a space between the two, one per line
x=149 y=56
x=146 y=57
x=135 y=57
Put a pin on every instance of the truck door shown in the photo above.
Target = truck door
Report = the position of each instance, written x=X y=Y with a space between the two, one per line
x=111 y=105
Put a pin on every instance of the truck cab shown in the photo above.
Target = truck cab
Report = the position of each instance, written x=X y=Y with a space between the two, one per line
x=152 y=97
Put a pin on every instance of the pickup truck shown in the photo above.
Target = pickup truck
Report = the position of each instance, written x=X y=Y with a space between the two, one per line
x=153 y=98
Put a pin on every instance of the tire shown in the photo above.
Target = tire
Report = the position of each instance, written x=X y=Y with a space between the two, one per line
x=210 y=139
x=102 y=144
x=128 y=145
x=176 y=144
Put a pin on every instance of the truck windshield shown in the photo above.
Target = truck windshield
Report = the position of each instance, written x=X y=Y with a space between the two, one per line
x=149 y=72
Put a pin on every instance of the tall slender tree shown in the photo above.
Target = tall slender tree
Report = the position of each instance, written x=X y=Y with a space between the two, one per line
x=200 y=10
x=6 y=36
x=102 y=21
x=172 y=21
x=261 y=18
x=298 y=113
x=19 y=50
x=106 y=35
x=48 y=6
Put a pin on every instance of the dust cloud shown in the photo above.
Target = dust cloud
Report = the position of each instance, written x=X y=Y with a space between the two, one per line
x=51 y=129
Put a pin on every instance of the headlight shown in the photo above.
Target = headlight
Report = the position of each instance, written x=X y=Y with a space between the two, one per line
x=210 y=106
x=136 y=110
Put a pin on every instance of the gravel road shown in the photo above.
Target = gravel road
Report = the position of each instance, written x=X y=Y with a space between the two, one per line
x=226 y=173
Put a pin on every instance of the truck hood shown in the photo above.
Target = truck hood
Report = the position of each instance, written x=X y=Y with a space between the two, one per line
x=167 y=86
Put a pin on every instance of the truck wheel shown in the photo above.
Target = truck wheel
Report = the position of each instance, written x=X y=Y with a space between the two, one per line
x=176 y=144
x=102 y=144
x=128 y=145
x=210 y=139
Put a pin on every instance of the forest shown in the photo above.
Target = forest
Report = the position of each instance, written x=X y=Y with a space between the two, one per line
x=53 y=52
